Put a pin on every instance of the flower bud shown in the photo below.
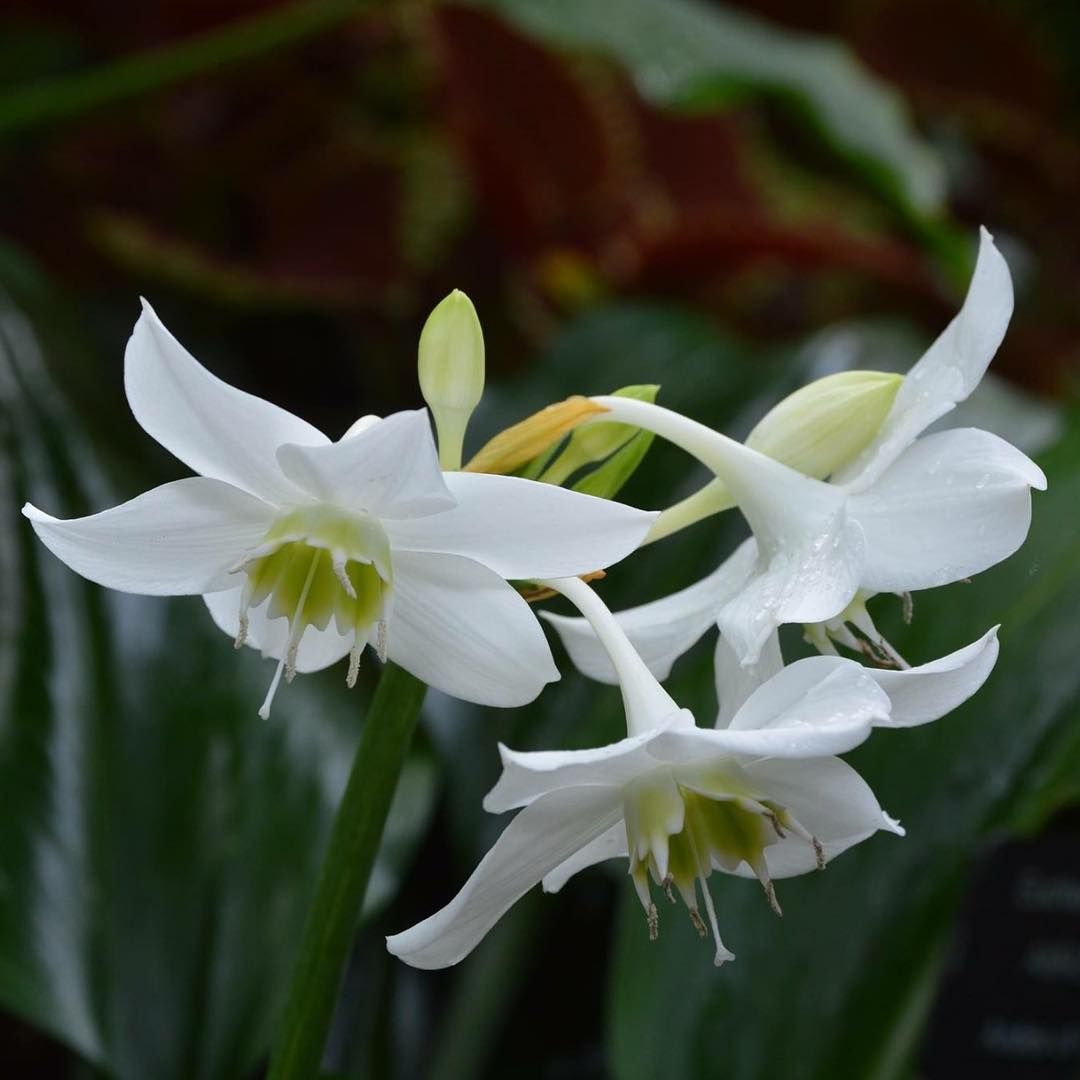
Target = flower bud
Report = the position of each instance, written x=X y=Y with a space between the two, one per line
x=827 y=423
x=451 y=370
x=597 y=440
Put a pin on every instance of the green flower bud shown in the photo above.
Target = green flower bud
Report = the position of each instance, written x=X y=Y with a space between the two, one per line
x=597 y=440
x=827 y=423
x=451 y=370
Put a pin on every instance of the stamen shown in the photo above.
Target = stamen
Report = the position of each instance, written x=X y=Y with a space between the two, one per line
x=652 y=919
x=697 y=924
x=242 y=632
x=380 y=641
x=761 y=872
x=667 y=889
x=338 y=561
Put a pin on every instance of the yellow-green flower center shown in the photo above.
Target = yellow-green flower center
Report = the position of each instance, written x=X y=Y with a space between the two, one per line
x=677 y=835
x=316 y=564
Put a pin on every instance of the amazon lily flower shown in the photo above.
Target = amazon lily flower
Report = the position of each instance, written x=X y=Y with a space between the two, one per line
x=310 y=550
x=764 y=797
x=911 y=512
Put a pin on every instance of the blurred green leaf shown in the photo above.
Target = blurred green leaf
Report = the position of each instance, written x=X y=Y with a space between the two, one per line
x=159 y=842
x=840 y=986
x=684 y=52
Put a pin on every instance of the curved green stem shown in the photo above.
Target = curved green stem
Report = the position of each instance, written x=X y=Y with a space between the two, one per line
x=71 y=95
x=339 y=892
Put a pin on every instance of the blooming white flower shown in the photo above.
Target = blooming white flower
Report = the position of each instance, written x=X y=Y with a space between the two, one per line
x=310 y=549
x=909 y=513
x=764 y=797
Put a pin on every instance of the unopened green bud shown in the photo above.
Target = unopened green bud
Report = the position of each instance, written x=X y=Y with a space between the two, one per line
x=451 y=370
x=828 y=423
x=598 y=439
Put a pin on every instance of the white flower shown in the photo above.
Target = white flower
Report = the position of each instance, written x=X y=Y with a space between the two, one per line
x=310 y=549
x=910 y=513
x=764 y=797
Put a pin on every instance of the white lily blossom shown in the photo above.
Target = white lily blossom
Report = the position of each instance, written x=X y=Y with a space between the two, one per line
x=310 y=550
x=909 y=513
x=763 y=797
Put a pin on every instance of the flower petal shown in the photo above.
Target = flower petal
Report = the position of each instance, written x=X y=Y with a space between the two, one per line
x=660 y=631
x=735 y=682
x=808 y=578
x=216 y=429
x=317 y=649
x=829 y=799
x=461 y=629
x=950 y=369
x=177 y=539
x=389 y=468
x=542 y=837
x=950 y=506
x=528 y=775
x=608 y=845
x=524 y=529
x=925 y=693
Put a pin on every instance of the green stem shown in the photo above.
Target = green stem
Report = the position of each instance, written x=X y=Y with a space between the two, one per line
x=130 y=76
x=339 y=892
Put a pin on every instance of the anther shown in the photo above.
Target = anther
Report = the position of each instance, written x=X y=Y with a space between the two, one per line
x=380 y=641
x=242 y=631
x=354 y=663
x=770 y=895
x=697 y=923
x=907 y=609
x=819 y=852
x=652 y=918
x=667 y=889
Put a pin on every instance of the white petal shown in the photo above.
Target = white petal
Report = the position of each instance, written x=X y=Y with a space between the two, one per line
x=529 y=775
x=177 y=539
x=809 y=578
x=735 y=682
x=524 y=529
x=461 y=629
x=390 y=468
x=950 y=369
x=663 y=630
x=317 y=649
x=608 y=845
x=536 y=842
x=925 y=693
x=952 y=505
x=214 y=428
x=829 y=799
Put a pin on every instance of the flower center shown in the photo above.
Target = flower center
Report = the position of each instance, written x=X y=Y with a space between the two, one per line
x=677 y=836
x=317 y=564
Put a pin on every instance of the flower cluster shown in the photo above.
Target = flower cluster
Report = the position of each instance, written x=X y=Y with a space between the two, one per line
x=310 y=550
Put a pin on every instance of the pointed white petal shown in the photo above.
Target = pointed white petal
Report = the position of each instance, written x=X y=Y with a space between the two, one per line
x=528 y=775
x=389 y=469
x=663 y=630
x=212 y=427
x=608 y=845
x=536 y=842
x=952 y=505
x=807 y=578
x=948 y=372
x=829 y=799
x=735 y=682
x=925 y=693
x=461 y=629
x=177 y=539
x=524 y=529
x=317 y=649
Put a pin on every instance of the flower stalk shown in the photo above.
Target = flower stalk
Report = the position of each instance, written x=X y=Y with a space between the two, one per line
x=343 y=878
